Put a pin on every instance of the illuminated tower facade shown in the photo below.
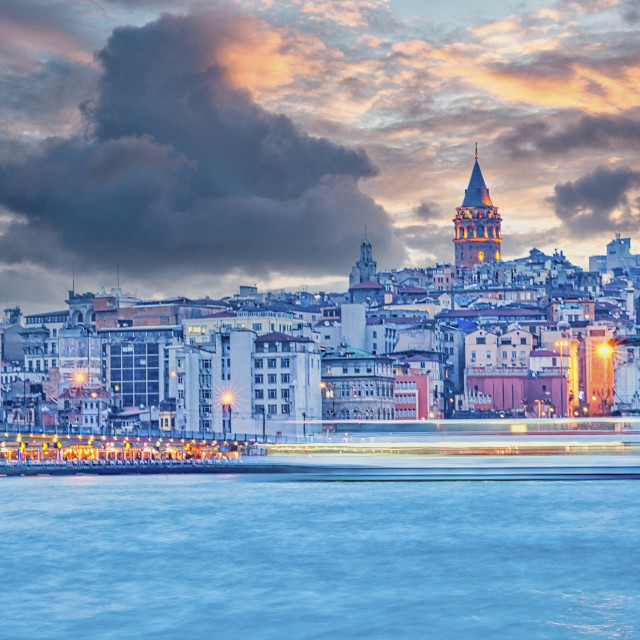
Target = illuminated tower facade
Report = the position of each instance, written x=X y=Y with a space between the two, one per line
x=477 y=234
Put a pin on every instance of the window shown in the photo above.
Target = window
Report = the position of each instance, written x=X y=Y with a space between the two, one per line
x=259 y=394
x=272 y=378
x=285 y=363
x=523 y=341
x=271 y=363
x=272 y=409
x=286 y=408
x=284 y=394
x=473 y=355
x=273 y=394
x=258 y=363
x=273 y=347
x=481 y=340
x=259 y=408
x=285 y=378
x=286 y=346
x=259 y=379
x=257 y=326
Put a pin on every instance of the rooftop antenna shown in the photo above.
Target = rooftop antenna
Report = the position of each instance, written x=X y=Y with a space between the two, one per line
x=476 y=152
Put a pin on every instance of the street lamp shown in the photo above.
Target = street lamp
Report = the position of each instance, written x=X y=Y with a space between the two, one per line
x=606 y=351
x=226 y=407
x=561 y=344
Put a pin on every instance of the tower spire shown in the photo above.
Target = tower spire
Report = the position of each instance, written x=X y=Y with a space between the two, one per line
x=476 y=152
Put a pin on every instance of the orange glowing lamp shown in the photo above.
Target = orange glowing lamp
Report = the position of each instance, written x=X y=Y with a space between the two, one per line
x=604 y=350
x=228 y=398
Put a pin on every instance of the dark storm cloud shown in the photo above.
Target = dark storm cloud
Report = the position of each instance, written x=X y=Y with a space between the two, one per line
x=589 y=132
x=428 y=211
x=597 y=202
x=185 y=171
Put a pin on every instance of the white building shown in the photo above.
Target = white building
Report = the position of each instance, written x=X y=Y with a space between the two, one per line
x=286 y=378
x=40 y=337
x=626 y=376
x=238 y=382
x=211 y=383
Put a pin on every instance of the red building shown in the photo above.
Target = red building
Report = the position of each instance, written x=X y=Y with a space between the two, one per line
x=541 y=391
x=413 y=397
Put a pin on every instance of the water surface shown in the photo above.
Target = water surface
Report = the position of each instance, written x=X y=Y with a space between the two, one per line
x=244 y=557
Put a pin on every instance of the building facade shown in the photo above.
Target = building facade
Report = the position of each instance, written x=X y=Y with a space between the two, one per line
x=357 y=385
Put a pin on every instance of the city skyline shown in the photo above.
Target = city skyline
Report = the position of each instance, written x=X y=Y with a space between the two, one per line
x=220 y=144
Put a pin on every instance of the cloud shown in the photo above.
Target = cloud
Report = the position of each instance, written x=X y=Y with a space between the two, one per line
x=184 y=172
x=428 y=211
x=599 y=201
x=28 y=27
x=428 y=243
x=631 y=11
x=589 y=132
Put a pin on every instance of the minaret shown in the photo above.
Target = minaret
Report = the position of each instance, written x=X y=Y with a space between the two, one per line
x=477 y=234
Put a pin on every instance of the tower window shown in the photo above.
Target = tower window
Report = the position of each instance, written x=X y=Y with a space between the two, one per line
x=481 y=256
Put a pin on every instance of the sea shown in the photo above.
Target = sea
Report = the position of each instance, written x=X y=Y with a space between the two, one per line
x=265 y=557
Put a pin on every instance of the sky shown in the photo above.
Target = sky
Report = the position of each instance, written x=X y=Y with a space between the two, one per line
x=191 y=147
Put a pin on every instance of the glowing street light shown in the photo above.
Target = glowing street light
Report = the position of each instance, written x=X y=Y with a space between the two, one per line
x=606 y=351
x=562 y=344
x=227 y=400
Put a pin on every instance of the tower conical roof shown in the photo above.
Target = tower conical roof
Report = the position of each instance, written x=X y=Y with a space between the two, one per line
x=477 y=194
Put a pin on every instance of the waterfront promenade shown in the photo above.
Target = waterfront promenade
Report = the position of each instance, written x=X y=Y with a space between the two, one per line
x=485 y=450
